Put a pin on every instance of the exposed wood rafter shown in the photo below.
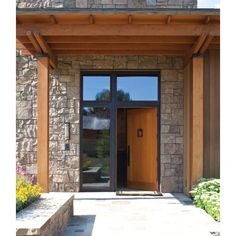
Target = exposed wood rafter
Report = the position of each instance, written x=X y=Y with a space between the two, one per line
x=46 y=49
x=53 y=19
x=91 y=19
x=168 y=20
x=130 y=19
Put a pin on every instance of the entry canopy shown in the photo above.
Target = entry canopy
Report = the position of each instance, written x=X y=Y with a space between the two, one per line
x=175 y=32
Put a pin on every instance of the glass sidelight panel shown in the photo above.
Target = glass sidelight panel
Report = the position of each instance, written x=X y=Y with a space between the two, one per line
x=137 y=88
x=96 y=147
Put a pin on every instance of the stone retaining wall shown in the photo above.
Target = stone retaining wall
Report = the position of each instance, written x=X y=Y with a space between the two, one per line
x=47 y=216
x=106 y=3
x=64 y=106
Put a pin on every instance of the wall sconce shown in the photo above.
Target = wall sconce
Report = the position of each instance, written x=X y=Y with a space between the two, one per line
x=67 y=131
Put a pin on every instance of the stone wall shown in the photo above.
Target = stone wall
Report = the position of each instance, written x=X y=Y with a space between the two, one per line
x=64 y=106
x=106 y=3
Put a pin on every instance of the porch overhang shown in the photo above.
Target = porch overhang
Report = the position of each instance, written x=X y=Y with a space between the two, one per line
x=48 y=34
x=176 y=32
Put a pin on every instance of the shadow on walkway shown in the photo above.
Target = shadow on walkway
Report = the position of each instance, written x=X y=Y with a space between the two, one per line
x=80 y=225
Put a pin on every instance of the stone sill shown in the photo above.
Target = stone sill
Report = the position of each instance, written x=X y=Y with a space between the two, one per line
x=43 y=215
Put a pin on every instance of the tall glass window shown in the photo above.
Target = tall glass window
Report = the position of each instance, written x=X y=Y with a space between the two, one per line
x=96 y=147
x=137 y=88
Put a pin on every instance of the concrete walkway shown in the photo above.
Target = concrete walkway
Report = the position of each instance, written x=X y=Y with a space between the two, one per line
x=105 y=214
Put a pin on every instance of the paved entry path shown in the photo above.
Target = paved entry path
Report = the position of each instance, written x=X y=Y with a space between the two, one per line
x=105 y=214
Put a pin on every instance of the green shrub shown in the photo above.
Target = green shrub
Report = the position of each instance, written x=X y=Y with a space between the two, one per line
x=206 y=195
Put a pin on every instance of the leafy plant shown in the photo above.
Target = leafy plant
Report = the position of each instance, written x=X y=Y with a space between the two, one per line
x=206 y=195
x=26 y=191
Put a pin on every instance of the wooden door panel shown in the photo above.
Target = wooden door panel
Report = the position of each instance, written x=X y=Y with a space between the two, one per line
x=142 y=171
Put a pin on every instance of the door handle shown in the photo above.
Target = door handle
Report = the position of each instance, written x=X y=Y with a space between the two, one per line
x=128 y=155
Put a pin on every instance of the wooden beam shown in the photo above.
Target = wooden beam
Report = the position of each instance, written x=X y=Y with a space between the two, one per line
x=195 y=48
x=120 y=52
x=118 y=39
x=91 y=19
x=115 y=46
x=34 y=42
x=46 y=49
x=197 y=119
x=43 y=123
x=53 y=19
x=119 y=30
x=206 y=43
x=168 y=20
x=198 y=43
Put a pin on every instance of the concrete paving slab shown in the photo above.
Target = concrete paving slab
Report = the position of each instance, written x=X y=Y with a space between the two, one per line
x=101 y=214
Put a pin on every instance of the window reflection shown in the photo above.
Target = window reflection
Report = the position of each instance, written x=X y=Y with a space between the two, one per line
x=137 y=88
x=96 y=88
x=96 y=147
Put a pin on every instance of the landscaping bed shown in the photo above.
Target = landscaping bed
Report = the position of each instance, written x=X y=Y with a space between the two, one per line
x=26 y=190
x=206 y=195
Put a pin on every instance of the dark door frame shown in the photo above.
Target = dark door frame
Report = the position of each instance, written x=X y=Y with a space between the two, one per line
x=113 y=105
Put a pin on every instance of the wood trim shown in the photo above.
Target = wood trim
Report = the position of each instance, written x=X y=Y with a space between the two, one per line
x=187 y=129
x=43 y=123
x=197 y=119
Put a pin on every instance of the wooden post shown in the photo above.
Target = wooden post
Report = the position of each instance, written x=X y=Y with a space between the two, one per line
x=43 y=123
x=197 y=119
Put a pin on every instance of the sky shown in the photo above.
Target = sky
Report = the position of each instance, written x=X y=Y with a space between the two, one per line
x=208 y=3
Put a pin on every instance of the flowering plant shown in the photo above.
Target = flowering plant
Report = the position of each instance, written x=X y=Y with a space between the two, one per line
x=26 y=191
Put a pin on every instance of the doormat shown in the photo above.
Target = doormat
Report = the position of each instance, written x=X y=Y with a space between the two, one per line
x=137 y=193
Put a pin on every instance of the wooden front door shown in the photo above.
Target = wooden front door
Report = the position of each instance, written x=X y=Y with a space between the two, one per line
x=142 y=148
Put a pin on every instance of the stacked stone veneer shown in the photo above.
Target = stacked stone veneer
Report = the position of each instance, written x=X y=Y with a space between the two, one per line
x=64 y=106
x=106 y=3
